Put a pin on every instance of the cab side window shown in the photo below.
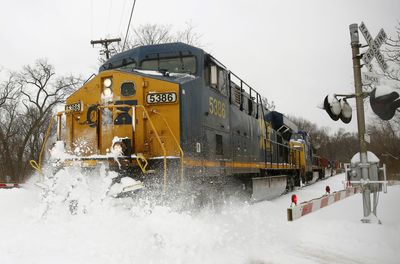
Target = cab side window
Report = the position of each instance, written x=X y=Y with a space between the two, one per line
x=222 y=81
x=216 y=77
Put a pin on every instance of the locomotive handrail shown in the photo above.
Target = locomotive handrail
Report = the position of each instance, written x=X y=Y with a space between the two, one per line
x=38 y=165
x=152 y=127
x=250 y=90
x=255 y=111
x=285 y=146
x=176 y=141
x=265 y=126
x=159 y=141
x=93 y=74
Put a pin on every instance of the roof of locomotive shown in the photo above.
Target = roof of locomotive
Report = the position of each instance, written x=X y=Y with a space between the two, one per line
x=281 y=124
x=151 y=51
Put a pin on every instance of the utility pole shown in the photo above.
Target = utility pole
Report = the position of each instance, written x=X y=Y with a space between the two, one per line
x=105 y=43
x=355 y=46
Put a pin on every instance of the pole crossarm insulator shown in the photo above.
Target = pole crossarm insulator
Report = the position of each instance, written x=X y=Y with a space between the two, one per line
x=105 y=43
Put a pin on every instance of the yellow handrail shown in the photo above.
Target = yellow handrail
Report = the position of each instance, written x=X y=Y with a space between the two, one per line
x=38 y=165
x=176 y=142
x=159 y=141
x=139 y=157
x=155 y=132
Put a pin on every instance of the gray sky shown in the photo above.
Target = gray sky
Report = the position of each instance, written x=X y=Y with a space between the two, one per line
x=293 y=52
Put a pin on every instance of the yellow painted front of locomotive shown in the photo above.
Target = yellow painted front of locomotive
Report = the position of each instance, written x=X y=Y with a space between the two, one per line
x=117 y=104
x=297 y=154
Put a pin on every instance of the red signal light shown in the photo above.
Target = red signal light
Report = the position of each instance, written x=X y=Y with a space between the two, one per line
x=328 y=189
x=294 y=199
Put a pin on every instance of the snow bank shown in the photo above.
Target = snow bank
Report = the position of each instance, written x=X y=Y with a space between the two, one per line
x=116 y=231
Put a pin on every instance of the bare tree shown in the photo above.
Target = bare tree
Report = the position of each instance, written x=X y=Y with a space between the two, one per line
x=39 y=89
x=7 y=90
x=304 y=124
x=340 y=146
x=150 y=34
x=385 y=143
x=392 y=55
x=26 y=114
x=385 y=135
x=10 y=130
x=188 y=35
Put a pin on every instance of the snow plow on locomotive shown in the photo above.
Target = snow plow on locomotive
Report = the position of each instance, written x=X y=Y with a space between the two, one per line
x=171 y=114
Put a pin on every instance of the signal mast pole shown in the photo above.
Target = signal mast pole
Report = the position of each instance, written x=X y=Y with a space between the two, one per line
x=355 y=46
x=105 y=43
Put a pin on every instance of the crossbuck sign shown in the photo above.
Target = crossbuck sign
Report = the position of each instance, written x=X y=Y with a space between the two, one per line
x=374 y=45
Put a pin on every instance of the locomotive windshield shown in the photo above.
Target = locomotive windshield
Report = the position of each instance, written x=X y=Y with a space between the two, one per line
x=297 y=136
x=171 y=65
x=128 y=67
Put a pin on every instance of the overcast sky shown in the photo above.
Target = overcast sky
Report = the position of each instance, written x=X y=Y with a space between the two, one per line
x=293 y=52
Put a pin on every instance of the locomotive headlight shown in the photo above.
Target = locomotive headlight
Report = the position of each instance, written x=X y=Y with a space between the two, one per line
x=107 y=82
x=107 y=92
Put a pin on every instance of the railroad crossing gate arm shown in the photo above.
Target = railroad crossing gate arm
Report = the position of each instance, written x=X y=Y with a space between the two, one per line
x=311 y=206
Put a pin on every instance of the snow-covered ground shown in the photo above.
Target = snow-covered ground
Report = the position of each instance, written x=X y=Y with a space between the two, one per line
x=37 y=230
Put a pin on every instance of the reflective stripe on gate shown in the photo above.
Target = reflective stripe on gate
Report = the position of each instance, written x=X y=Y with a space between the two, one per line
x=8 y=185
x=305 y=208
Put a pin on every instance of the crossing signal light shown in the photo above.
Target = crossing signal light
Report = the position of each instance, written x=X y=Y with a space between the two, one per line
x=346 y=111
x=384 y=105
x=294 y=199
x=338 y=109
x=327 y=189
x=332 y=107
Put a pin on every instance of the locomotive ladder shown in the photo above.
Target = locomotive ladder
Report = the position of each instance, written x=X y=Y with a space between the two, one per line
x=176 y=142
x=159 y=140
x=141 y=157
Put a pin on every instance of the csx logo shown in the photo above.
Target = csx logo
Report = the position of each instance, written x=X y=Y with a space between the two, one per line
x=216 y=107
x=265 y=131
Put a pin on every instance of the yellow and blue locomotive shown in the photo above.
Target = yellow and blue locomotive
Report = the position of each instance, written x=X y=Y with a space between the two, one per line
x=172 y=114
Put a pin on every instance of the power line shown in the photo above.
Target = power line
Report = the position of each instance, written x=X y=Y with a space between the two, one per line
x=121 y=16
x=127 y=30
x=109 y=16
x=91 y=18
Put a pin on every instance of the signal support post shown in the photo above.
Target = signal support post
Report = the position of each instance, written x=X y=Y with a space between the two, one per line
x=363 y=166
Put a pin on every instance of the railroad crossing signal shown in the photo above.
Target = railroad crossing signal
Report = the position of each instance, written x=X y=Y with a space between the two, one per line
x=338 y=108
x=374 y=45
x=386 y=105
